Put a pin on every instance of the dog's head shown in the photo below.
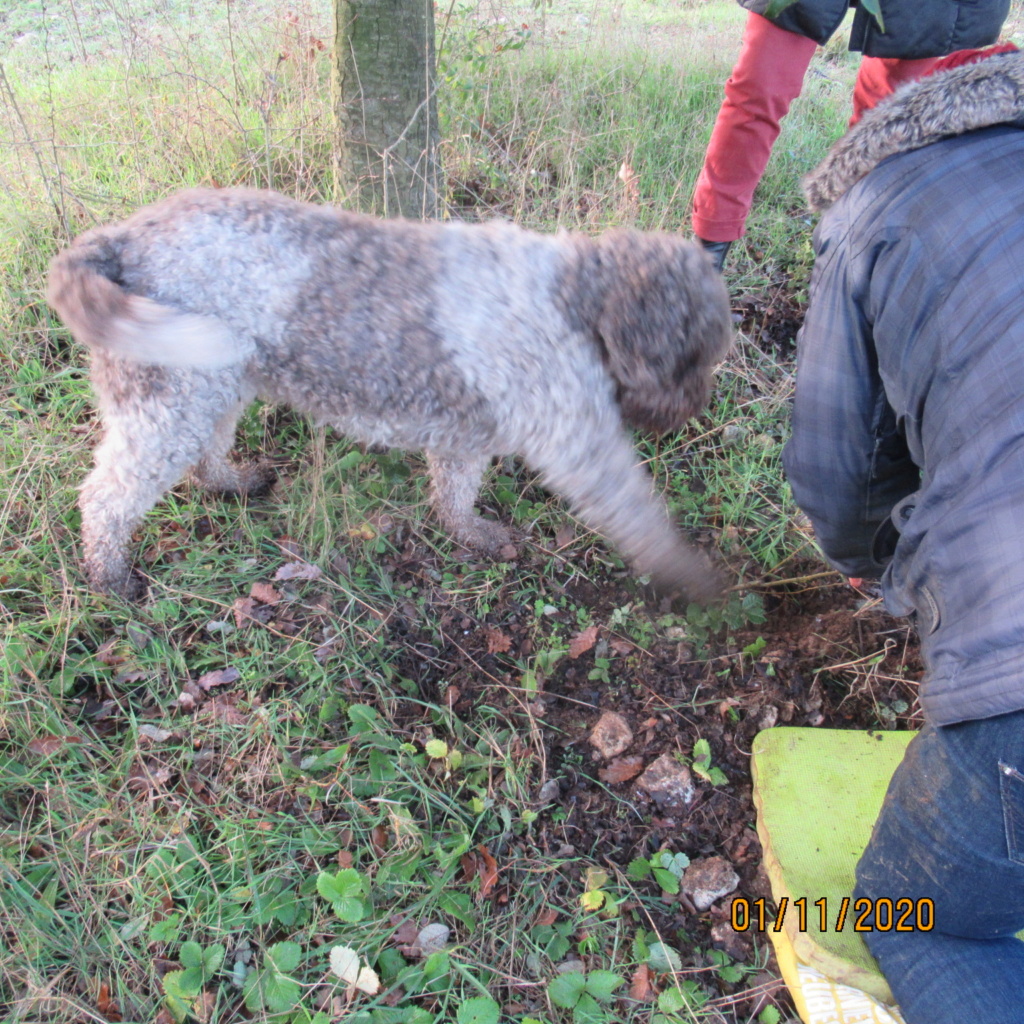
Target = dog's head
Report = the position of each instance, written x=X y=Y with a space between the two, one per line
x=663 y=323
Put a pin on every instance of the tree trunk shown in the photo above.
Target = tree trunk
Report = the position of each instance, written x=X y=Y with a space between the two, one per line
x=385 y=105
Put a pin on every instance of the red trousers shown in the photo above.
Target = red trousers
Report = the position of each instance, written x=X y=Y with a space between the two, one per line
x=768 y=76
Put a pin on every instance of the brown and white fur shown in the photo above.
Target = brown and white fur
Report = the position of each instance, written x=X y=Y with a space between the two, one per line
x=464 y=341
x=952 y=102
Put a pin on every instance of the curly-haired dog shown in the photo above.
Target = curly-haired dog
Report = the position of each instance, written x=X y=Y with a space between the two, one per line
x=465 y=341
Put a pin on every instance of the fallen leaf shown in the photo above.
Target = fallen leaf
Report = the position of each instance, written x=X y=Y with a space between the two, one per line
x=244 y=609
x=726 y=705
x=406 y=932
x=564 y=536
x=142 y=778
x=140 y=637
x=218 y=677
x=106 y=654
x=47 y=746
x=431 y=938
x=345 y=964
x=497 y=641
x=622 y=769
x=641 y=986
x=266 y=593
x=582 y=642
x=155 y=733
x=106 y=1006
x=298 y=570
x=547 y=917
x=225 y=711
x=488 y=872
x=289 y=545
x=379 y=840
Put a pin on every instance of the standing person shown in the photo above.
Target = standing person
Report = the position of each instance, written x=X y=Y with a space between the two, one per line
x=769 y=75
x=907 y=454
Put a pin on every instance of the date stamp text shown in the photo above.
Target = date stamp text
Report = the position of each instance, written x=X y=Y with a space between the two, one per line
x=880 y=915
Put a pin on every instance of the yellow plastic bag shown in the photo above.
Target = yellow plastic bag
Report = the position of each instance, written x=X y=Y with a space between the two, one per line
x=817 y=794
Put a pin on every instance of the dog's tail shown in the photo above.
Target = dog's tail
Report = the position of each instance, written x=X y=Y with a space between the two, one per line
x=84 y=288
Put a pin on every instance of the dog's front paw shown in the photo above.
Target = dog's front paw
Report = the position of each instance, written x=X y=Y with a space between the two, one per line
x=256 y=478
x=488 y=537
x=130 y=586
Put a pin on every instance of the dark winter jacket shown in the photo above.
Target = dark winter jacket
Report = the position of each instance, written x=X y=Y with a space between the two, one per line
x=931 y=28
x=908 y=426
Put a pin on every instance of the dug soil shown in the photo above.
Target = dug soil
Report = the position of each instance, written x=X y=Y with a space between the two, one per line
x=826 y=656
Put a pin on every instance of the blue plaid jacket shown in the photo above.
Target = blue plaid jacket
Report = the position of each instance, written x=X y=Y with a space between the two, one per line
x=908 y=426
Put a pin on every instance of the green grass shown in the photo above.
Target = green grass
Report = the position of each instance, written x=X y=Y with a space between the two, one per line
x=140 y=838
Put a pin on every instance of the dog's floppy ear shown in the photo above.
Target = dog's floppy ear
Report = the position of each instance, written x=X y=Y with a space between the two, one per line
x=664 y=323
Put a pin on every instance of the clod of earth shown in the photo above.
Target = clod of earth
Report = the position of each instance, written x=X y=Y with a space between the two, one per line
x=708 y=880
x=668 y=782
x=611 y=735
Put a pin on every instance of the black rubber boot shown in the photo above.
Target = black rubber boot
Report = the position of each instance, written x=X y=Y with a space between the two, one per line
x=717 y=251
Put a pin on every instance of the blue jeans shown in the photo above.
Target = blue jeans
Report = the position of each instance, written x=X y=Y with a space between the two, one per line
x=952 y=830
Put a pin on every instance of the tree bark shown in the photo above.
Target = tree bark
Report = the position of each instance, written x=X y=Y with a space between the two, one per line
x=387 y=157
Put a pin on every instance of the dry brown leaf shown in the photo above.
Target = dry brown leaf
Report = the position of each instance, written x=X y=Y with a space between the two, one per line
x=154 y=734
x=406 y=932
x=289 y=545
x=497 y=641
x=345 y=859
x=48 y=745
x=244 y=609
x=487 y=868
x=582 y=642
x=225 y=711
x=266 y=593
x=107 y=655
x=564 y=536
x=641 y=985
x=142 y=778
x=298 y=570
x=545 y=918
x=727 y=704
x=207 y=1004
x=108 y=1009
x=218 y=677
x=622 y=769
x=379 y=840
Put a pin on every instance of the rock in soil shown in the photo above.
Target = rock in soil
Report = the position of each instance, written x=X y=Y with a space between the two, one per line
x=668 y=782
x=707 y=880
x=611 y=735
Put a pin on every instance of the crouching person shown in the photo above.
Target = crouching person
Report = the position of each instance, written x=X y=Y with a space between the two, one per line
x=908 y=456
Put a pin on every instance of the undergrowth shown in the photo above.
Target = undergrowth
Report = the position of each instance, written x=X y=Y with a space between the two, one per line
x=325 y=729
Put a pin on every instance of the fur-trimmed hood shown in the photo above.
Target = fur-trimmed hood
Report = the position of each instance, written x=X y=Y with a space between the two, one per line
x=949 y=103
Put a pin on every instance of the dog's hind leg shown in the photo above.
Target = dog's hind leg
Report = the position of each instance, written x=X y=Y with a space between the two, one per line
x=596 y=471
x=147 y=448
x=216 y=472
x=455 y=483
